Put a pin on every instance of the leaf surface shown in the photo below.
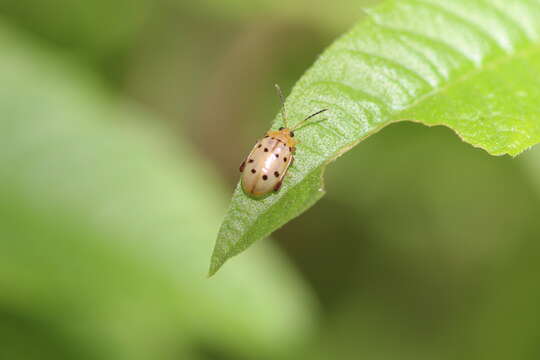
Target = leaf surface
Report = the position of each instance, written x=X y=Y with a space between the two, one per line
x=470 y=65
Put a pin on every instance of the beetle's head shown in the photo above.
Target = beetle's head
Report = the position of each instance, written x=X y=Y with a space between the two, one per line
x=286 y=131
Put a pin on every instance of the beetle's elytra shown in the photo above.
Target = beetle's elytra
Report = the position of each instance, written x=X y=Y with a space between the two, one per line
x=266 y=165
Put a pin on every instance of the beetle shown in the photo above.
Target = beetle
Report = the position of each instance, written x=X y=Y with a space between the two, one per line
x=267 y=163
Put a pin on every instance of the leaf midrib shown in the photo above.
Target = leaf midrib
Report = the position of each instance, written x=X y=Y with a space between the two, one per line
x=506 y=58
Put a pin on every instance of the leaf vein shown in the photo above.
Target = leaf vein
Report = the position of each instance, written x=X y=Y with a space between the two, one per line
x=359 y=94
x=392 y=63
x=424 y=38
x=460 y=19
x=476 y=71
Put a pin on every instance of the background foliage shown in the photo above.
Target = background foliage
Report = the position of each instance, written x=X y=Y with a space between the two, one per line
x=122 y=126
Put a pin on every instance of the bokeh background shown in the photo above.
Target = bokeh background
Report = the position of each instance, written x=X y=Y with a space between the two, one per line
x=122 y=125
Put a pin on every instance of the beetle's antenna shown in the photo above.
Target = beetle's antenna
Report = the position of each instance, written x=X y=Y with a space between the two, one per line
x=283 y=112
x=309 y=117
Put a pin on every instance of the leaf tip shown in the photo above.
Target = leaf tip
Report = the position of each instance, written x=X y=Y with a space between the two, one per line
x=215 y=264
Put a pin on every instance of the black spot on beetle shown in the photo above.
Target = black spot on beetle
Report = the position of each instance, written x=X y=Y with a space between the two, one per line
x=259 y=146
x=250 y=161
x=253 y=171
x=284 y=159
x=277 y=155
x=292 y=134
x=265 y=177
x=276 y=174
x=265 y=149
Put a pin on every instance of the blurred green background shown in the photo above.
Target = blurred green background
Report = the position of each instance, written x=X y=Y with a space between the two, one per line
x=122 y=124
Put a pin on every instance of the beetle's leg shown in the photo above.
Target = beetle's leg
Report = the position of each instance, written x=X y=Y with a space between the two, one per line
x=242 y=166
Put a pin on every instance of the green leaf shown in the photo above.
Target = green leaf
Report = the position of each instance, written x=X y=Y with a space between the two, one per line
x=471 y=65
x=105 y=226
